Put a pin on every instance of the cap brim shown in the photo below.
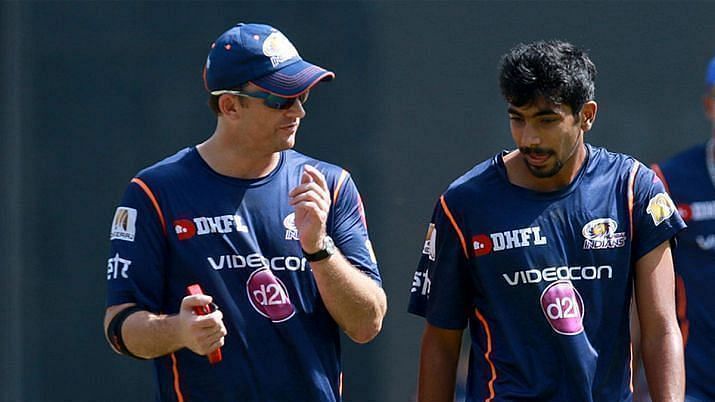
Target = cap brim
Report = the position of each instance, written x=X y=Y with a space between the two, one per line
x=293 y=79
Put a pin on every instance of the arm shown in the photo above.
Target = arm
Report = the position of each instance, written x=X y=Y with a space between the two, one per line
x=661 y=343
x=438 y=364
x=356 y=302
x=149 y=335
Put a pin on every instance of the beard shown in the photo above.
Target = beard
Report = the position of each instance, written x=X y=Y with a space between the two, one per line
x=542 y=172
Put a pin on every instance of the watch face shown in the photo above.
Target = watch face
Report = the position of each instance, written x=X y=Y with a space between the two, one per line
x=329 y=245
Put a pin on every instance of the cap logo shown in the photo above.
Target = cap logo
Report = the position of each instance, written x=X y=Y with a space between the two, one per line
x=278 y=48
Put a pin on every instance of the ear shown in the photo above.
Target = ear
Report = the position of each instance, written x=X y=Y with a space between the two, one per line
x=229 y=106
x=588 y=115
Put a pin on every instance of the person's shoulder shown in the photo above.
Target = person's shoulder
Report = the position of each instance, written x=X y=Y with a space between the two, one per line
x=603 y=160
x=475 y=181
x=295 y=159
x=687 y=158
x=167 y=167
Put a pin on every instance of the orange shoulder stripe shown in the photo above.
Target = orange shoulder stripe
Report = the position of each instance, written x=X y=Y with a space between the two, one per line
x=661 y=176
x=631 y=194
x=151 y=196
x=341 y=181
x=454 y=224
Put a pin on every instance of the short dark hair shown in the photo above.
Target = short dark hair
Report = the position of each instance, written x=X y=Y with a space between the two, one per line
x=554 y=70
x=213 y=99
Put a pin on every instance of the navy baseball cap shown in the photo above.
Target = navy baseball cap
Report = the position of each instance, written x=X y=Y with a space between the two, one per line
x=710 y=73
x=265 y=57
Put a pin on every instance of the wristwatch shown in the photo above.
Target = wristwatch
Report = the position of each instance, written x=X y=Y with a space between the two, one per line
x=325 y=252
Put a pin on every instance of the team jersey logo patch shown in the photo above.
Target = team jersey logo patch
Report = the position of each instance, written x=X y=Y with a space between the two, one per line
x=660 y=208
x=507 y=240
x=188 y=228
x=601 y=234
x=268 y=296
x=124 y=224
x=563 y=307
x=429 y=247
x=291 y=229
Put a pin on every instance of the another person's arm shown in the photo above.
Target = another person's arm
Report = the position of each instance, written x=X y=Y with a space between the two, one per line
x=661 y=342
x=439 y=357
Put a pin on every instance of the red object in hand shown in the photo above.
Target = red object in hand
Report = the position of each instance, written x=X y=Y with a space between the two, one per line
x=195 y=289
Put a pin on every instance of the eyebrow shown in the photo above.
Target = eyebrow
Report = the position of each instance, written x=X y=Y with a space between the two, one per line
x=542 y=112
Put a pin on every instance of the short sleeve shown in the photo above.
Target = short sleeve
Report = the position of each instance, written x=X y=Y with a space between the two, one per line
x=136 y=263
x=655 y=216
x=441 y=287
x=349 y=229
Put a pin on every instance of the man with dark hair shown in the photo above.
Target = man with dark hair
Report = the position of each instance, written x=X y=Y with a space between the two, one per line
x=277 y=240
x=539 y=250
x=689 y=177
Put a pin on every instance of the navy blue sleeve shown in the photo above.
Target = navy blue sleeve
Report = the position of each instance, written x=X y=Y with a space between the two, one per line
x=349 y=229
x=440 y=287
x=136 y=264
x=655 y=216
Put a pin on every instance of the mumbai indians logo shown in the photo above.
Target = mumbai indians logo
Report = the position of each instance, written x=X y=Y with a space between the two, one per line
x=660 y=208
x=278 y=48
x=601 y=234
x=291 y=229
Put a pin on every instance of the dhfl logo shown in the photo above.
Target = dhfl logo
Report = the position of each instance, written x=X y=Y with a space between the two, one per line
x=184 y=228
x=685 y=211
x=481 y=244
x=188 y=228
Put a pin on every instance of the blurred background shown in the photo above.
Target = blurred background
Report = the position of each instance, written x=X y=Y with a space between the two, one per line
x=94 y=91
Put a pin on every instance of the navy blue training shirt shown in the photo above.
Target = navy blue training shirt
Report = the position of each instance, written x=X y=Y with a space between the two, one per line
x=690 y=179
x=543 y=279
x=181 y=223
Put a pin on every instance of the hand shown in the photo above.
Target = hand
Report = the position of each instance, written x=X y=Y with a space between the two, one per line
x=311 y=200
x=202 y=334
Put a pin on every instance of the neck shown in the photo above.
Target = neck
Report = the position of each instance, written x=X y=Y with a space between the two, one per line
x=232 y=159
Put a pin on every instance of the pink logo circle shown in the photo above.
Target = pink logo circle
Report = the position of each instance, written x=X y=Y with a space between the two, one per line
x=563 y=307
x=268 y=295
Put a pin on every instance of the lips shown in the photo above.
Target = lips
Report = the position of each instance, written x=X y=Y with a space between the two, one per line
x=537 y=159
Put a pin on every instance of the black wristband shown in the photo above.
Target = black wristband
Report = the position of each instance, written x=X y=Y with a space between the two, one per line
x=114 y=331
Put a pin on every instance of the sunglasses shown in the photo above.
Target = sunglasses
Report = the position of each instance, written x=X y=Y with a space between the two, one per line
x=269 y=99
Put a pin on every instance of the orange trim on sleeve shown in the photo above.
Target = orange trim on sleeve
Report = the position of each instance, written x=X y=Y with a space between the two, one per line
x=454 y=224
x=631 y=195
x=681 y=304
x=151 y=196
x=175 y=370
x=661 y=176
x=487 y=355
x=341 y=181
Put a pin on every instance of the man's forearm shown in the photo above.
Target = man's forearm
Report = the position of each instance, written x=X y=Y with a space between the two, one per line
x=354 y=300
x=150 y=335
x=664 y=366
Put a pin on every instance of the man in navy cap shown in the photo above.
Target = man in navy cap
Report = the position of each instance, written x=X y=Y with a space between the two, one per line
x=276 y=240
x=690 y=178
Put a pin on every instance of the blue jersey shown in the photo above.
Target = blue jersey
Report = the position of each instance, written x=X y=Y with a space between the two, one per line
x=544 y=279
x=181 y=223
x=690 y=179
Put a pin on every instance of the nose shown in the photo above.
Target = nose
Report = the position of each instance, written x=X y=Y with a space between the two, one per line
x=530 y=136
x=296 y=109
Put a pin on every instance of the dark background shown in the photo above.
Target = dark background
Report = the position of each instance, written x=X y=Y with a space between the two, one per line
x=94 y=91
